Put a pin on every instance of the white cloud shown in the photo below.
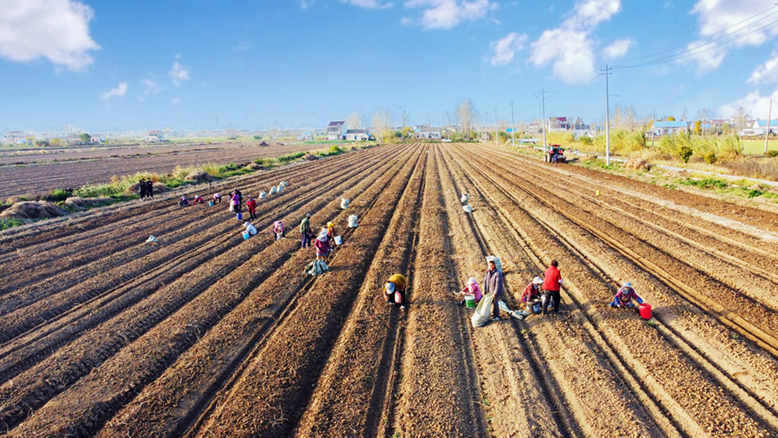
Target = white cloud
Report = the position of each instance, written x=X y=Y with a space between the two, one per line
x=766 y=73
x=448 y=14
x=569 y=47
x=305 y=4
x=119 y=91
x=716 y=15
x=241 y=46
x=178 y=74
x=57 y=30
x=754 y=103
x=618 y=48
x=150 y=88
x=175 y=101
x=505 y=48
x=368 y=4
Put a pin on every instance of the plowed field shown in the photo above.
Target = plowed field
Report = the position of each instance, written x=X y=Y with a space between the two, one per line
x=205 y=334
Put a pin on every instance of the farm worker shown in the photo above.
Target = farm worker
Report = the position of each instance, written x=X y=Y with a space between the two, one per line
x=198 y=200
x=149 y=188
x=551 y=286
x=394 y=290
x=305 y=230
x=322 y=245
x=330 y=231
x=251 y=204
x=624 y=297
x=278 y=229
x=183 y=201
x=532 y=291
x=471 y=288
x=250 y=228
x=240 y=195
x=217 y=198
x=142 y=188
x=493 y=284
x=236 y=203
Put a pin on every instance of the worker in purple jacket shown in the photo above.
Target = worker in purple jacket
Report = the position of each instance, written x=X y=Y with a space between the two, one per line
x=624 y=298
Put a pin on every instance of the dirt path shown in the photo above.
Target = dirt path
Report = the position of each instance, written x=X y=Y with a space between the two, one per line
x=438 y=388
x=353 y=394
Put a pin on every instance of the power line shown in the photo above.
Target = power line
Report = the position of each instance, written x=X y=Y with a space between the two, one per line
x=707 y=36
x=694 y=51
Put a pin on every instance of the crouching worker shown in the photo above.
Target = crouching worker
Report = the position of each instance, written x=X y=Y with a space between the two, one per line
x=183 y=201
x=198 y=200
x=217 y=198
x=394 y=290
x=532 y=292
x=624 y=297
x=250 y=228
x=472 y=288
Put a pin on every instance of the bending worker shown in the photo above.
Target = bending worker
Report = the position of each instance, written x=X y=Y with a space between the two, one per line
x=624 y=297
x=532 y=291
x=394 y=290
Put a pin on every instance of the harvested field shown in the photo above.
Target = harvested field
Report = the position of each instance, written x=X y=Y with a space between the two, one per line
x=38 y=173
x=204 y=334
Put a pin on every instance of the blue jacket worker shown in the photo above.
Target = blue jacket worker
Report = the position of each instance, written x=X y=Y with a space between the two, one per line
x=624 y=298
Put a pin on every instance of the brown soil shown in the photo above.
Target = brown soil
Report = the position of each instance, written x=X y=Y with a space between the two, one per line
x=206 y=334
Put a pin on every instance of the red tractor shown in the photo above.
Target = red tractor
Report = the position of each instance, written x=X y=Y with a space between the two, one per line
x=556 y=154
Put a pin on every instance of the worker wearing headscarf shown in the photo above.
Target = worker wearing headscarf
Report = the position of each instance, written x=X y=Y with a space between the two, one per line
x=322 y=245
x=624 y=298
x=471 y=288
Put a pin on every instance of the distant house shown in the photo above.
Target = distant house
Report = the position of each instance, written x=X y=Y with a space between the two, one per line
x=558 y=124
x=155 y=137
x=357 y=135
x=428 y=133
x=305 y=136
x=533 y=128
x=760 y=126
x=336 y=131
x=12 y=137
x=668 y=128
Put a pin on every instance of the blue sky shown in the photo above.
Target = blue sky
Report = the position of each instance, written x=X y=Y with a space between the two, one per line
x=143 y=64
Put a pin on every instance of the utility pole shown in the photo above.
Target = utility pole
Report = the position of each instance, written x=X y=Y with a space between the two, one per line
x=606 y=72
x=543 y=100
x=767 y=134
x=653 y=120
x=496 y=137
x=513 y=127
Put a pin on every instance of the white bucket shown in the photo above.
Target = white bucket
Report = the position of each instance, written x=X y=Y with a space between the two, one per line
x=338 y=240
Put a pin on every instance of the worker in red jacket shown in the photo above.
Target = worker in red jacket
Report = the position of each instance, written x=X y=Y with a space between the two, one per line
x=551 y=286
x=252 y=206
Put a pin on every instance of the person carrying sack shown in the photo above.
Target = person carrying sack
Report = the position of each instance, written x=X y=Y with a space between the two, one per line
x=494 y=284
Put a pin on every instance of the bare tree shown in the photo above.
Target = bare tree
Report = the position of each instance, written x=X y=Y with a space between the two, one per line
x=355 y=120
x=404 y=119
x=467 y=115
x=382 y=124
x=741 y=119
x=703 y=115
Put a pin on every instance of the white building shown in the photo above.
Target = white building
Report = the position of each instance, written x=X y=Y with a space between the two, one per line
x=357 y=135
x=336 y=131
x=155 y=137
